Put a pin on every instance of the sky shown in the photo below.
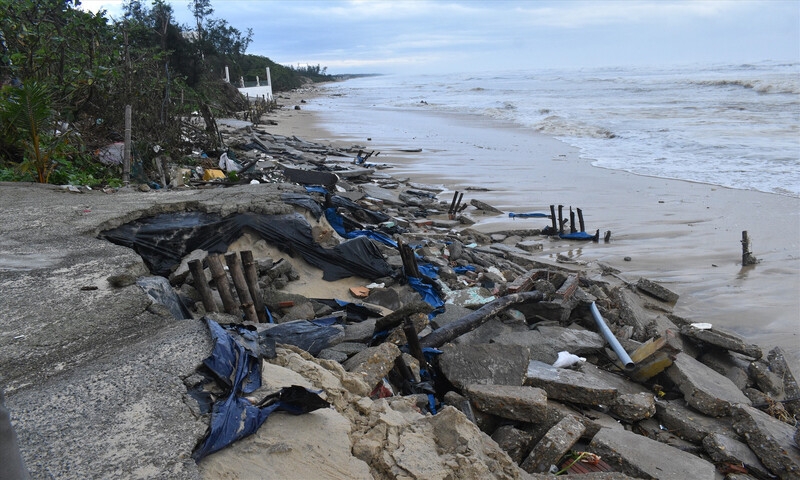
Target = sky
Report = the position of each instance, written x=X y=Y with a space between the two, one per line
x=441 y=36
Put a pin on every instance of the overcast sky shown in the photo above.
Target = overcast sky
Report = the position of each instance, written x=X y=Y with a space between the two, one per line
x=438 y=36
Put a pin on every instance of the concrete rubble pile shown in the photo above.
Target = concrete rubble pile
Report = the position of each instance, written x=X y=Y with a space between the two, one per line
x=700 y=402
x=693 y=401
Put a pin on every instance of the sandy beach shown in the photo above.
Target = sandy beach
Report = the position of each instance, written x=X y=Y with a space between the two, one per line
x=683 y=234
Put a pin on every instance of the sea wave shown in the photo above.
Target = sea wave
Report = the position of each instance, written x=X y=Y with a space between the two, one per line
x=561 y=127
x=760 y=86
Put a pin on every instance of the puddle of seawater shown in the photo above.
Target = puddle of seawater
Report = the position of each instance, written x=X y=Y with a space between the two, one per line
x=29 y=261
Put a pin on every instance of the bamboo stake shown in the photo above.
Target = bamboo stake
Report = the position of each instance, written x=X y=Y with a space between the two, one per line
x=201 y=285
x=235 y=268
x=251 y=275
x=221 y=281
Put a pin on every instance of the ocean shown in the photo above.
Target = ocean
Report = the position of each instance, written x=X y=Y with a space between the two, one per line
x=734 y=126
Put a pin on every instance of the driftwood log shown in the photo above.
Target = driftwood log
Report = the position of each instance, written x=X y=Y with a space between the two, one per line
x=477 y=318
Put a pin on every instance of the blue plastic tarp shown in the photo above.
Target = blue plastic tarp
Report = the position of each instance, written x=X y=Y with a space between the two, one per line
x=234 y=417
x=337 y=222
x=427 y=292
x=529 y=215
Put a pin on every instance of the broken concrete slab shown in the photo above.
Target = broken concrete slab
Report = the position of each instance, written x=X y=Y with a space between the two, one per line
x=555 y=443
x=374 y=363
x=633 y=407
x=570 y=385
x=733 y=367
x=521 y=403
x=690 y=424
x=387 y=196
x=642 y=457
x=728 y=450
x=771 y=439
x=546 y=341
x=139 y=412
x=486 y=364
x=703 y=388
x=485 y=207
x=656 y=290
x=632 y=313
x=766 y=381
x=722 y=338
x=780 y=367
x=514 y=441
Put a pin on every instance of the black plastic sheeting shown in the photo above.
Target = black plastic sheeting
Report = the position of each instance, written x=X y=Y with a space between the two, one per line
x=163 y=240
x=309 y=336
x=239 y=368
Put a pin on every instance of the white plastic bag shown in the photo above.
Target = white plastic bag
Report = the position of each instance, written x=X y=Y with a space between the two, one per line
x=566 y=360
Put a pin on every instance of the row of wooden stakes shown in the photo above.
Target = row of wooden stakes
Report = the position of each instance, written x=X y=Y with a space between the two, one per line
x=245 y=280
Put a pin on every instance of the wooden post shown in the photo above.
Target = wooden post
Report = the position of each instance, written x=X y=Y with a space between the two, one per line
x=221 y=281
x=452 y=208
x=251 y=275
x=580 y=219
x=471 y=321
x=553 y=218
x=561 y=219
x=126 y=158
x=572 y=228
x=200 y=283
x=747 y=256
x=413 y=342
x=235 y=268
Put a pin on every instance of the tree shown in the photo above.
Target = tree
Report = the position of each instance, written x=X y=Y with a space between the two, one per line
x=201 y=9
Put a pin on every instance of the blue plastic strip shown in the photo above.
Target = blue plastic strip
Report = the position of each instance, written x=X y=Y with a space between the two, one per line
x=529 y=215
x=317 y=189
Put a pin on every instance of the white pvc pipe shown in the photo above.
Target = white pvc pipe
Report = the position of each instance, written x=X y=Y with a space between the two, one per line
x=611 y=339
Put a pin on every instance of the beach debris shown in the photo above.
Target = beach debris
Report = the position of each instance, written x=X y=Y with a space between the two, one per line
x=457 y=318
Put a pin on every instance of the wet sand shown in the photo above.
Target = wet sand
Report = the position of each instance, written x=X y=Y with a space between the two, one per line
x=685 y=235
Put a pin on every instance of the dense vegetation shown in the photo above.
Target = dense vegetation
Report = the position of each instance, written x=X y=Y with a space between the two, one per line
x=67 y=75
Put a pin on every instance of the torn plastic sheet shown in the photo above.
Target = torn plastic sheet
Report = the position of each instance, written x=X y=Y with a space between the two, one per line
x=338 y=201
x=353 y=311
x=234 y=417
x=163 y=240
x=337 y=222
x=161 y=292
x=304 y=201
x=309 y=336
x=427 y=292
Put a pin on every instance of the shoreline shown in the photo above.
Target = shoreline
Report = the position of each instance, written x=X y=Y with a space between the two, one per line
x=684 y=234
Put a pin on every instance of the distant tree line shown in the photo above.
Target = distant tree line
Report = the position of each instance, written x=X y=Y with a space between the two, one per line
x=67 y=74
